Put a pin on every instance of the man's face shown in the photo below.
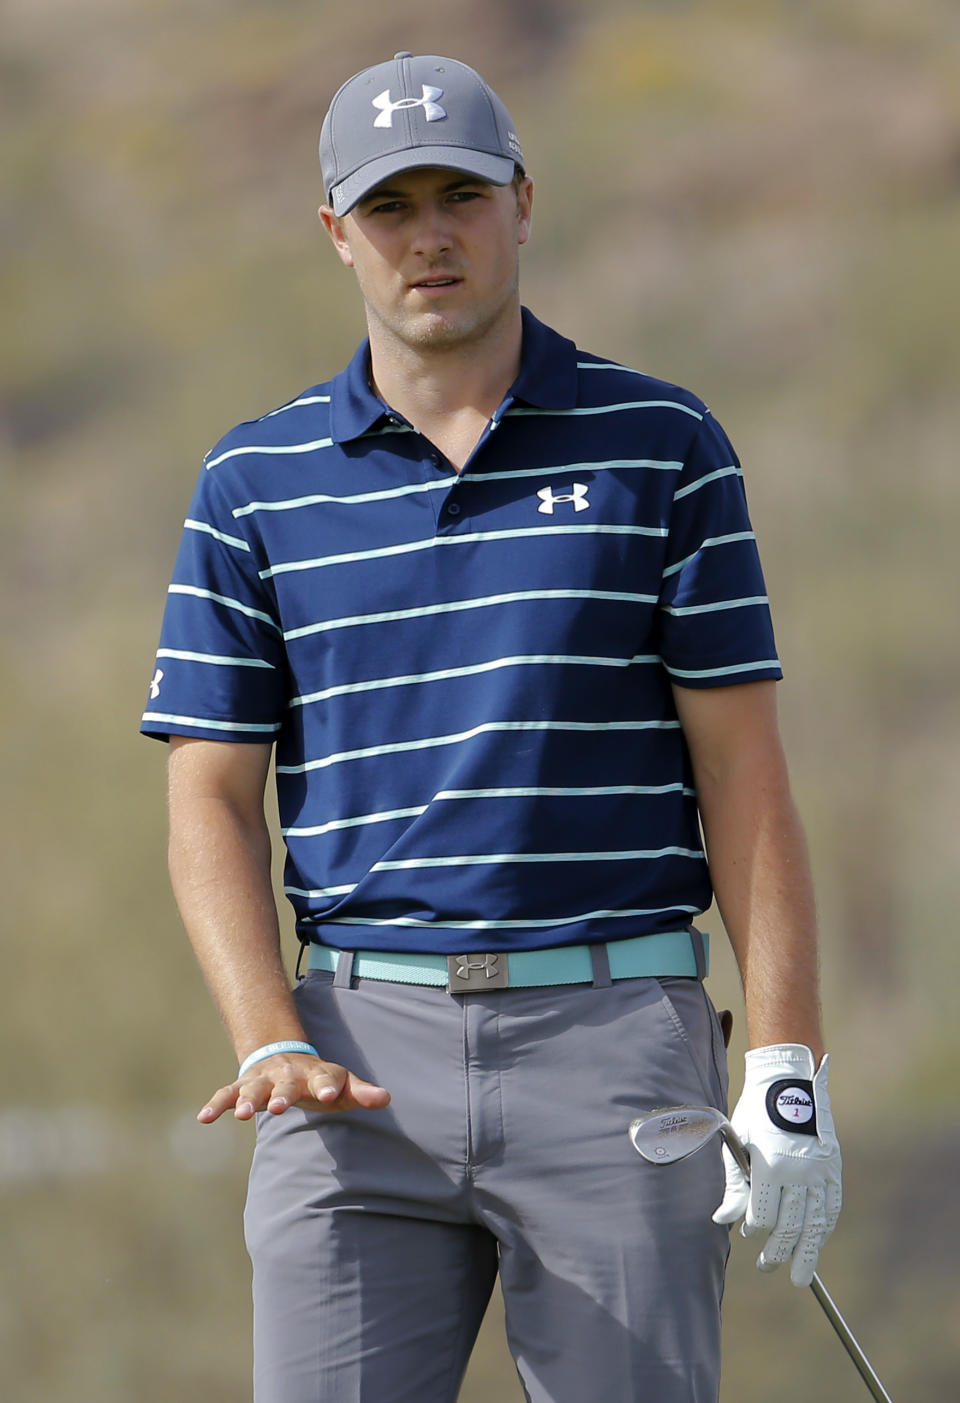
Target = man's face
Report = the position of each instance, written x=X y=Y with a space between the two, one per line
x=436 y=254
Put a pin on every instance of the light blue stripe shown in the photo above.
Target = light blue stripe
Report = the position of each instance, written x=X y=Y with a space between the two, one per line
x=456 y=605
x=732 y=471
x=607 y=365
x=441 y=484
x=217 y=659
x=352 y=557
x=321 y=891
x=666 y=464
x=387 y=815
x=681 y=611
x=269 y=448
x=706 y=545
x=456 y=737
x=418 y=923
x=602 y=529
x=722 y=671
x=296 y=403
x=217 y=535
x=202 y=721
x=613 y=408
x=473 y=670
x=320 y=498
x=468 y=538
x=533 y=791
x=337 y=823
x=226 y=601
x=485 y=859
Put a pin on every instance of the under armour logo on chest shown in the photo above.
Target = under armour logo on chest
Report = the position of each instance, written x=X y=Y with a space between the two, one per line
x=549 y=498
x=432 y=110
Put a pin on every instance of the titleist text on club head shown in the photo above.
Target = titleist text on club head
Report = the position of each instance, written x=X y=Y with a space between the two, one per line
x=673 y=1132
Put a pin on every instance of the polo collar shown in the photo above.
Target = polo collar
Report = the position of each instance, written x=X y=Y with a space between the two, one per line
x=547 y=380
x=354 y=406
x=548 y=367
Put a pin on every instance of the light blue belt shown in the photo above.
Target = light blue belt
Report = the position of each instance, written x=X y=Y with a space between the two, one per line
x=665 y=953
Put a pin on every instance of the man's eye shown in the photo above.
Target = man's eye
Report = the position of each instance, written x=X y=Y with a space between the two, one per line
x=387 y=207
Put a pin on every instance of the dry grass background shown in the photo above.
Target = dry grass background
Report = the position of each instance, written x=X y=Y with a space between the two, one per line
x=757 y=199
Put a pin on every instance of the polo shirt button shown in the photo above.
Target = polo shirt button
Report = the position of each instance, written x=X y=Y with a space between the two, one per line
x=453 y=508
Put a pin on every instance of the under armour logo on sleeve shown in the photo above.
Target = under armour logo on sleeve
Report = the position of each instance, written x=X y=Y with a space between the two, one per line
x=432 y=110
x=549 y=498
x=155 y=684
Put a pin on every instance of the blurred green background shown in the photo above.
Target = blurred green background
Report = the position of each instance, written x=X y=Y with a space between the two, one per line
x=760 y=200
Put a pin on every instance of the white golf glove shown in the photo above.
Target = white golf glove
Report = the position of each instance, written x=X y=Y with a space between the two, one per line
x=783 y=1118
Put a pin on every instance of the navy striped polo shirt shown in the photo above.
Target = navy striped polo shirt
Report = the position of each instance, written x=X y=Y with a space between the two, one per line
x=468 y=677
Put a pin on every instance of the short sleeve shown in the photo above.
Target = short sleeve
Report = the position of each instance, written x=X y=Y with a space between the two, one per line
x=220 y=668
x=714 y=617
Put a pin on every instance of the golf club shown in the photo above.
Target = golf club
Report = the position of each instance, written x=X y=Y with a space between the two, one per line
x=674 y=1132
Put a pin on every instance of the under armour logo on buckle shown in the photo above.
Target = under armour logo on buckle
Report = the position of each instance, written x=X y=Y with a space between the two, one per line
x=490 y=964
x=432 y=110
x=549 y=498
x=155 y=684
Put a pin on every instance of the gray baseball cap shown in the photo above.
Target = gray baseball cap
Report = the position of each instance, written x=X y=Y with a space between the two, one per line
x=410 y=113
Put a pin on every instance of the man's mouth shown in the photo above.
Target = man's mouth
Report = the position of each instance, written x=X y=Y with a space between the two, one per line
x=435 y=282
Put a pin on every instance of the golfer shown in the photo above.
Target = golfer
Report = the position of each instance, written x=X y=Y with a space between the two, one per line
x=497 y=603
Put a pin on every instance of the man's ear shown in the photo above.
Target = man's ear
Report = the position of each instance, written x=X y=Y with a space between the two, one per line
x=334 y=227
x=524 y=209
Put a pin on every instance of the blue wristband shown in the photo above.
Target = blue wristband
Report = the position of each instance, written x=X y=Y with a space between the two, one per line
x=269 y=1049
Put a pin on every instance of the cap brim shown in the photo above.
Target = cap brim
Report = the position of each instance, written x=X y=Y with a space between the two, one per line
x=498 y=170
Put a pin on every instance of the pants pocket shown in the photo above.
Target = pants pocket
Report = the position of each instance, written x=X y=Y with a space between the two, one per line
x=696 y=1022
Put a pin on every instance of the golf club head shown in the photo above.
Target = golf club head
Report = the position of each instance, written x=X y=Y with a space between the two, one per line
x=674 y=1132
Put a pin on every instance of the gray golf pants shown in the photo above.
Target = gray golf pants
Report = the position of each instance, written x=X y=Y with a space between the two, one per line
x=376 y=1236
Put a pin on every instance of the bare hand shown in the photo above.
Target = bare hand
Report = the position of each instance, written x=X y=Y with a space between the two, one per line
x=286 y=1080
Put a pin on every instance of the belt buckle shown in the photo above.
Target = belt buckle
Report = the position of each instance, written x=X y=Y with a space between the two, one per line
x=474 y=972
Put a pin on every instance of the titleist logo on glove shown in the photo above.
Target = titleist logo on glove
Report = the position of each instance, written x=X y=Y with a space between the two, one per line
x=790 y=1105
x=783 y=1118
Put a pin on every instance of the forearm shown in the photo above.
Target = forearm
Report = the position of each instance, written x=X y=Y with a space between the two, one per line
x=220 y=872
x=765 y=894
x=757 y=855
x=761 y=875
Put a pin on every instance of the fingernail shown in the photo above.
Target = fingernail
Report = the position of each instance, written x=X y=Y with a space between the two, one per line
x=328 y=1093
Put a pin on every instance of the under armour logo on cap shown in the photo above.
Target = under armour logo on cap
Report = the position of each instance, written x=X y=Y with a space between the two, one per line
x=549 y=498
x=427 y=112
x=432 y=110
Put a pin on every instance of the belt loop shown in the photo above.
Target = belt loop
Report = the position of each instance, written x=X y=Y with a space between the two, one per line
x=344 y=971
x=699 y=953
x=601 y=966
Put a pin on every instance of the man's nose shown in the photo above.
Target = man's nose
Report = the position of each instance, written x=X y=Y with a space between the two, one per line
x=432 y=234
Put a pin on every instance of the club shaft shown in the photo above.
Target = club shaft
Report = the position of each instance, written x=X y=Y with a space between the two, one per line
x=849 y=1342
x=862 y=1364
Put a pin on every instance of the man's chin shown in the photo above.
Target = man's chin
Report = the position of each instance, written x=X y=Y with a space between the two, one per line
x=440 y=330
